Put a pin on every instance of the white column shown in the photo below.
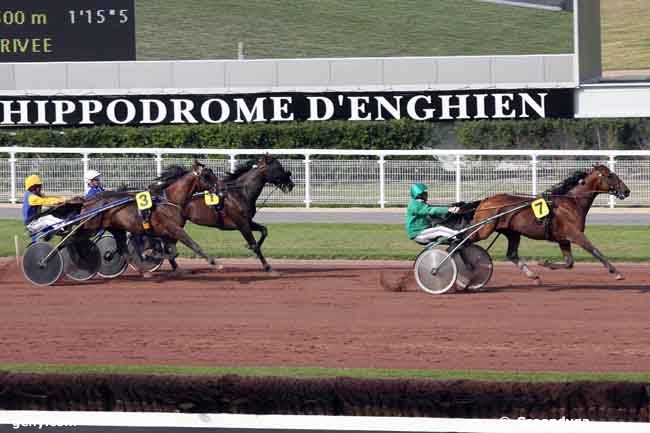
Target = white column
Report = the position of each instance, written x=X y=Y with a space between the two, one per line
x=382 y=182
x=612 y=164
x=85 y=163
x=159 y=161
x=307 y=182
x=12 y=167
x=533 y=164
x=458 y=177
x=233 y=162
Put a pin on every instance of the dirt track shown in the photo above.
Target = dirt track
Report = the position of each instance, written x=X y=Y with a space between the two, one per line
x=331 y=314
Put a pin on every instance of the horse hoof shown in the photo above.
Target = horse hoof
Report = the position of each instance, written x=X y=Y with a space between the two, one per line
x=181 y=272
x=268 y=268
x=147 y=275
x=619 y=276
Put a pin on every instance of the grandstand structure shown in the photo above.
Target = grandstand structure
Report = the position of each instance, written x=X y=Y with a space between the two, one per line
x=25 y=84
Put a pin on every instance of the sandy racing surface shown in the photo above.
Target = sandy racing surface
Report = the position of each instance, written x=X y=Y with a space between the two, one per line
x=330 y=314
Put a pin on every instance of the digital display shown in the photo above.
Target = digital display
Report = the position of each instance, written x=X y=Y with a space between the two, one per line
x=67 y=30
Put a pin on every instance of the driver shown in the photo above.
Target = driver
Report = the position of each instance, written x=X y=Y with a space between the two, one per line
x=418 y=225
x=93 y=183
x=32 y=203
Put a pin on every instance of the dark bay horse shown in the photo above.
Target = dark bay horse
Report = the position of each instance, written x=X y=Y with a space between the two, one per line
x=570 y=202
x=176 y=188
x=242 y=189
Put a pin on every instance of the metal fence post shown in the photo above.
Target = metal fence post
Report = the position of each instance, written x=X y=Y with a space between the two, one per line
x=12 y=169
x=612 y=163
x=233 y=162
x=83 y=175
x=458 y=178
x=159 y=161
x=533 y=164
x=382 y=181
x=307 y=182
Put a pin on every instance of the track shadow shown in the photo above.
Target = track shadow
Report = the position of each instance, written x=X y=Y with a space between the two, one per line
x=640 y=288
x=248 y=279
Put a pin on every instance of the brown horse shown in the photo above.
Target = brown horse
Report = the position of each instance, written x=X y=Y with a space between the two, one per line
x=242 y=189
x=166 y=218
x=569 y=202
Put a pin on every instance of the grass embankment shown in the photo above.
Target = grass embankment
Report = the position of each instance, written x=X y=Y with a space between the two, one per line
x=201 y=29
x=306 y=372
x=626 y=41
x=377 y=241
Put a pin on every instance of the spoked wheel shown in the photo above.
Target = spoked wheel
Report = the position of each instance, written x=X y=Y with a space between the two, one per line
x=82 y=259
x=39 y=271
x=152 y=255
x=476 y=273
x=432 y=276
x=113 y=264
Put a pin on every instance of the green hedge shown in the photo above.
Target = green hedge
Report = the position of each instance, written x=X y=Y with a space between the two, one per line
x=398 y=134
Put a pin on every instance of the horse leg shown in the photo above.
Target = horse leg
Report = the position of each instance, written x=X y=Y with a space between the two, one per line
x=565 y=247
x=120 y=241
x=586 y=244
x=263 y=231
x=246 y=230
x=179 y=234
x=169 y=248
x=513 y=254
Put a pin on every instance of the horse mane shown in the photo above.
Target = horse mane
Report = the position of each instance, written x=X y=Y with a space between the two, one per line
x=169 y=176
x=568 y=184
x=239 y=170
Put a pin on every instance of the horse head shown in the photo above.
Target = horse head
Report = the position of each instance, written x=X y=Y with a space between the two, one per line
x=602 y=180
x=206 y=180
x=275 y=174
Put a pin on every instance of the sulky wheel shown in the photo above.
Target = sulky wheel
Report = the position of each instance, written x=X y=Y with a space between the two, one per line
x=476 y=273
x=152 y=255
x=39 y=271
x=113 y=264
x=432 y=276
x=82 y=259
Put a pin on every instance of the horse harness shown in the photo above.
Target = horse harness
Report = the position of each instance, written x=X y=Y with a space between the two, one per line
x=147 y=200
x=548 y=219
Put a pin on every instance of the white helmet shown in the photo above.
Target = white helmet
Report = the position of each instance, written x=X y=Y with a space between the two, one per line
x=91 y=174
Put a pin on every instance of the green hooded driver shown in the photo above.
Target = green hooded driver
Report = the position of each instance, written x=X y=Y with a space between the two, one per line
x=418 y=225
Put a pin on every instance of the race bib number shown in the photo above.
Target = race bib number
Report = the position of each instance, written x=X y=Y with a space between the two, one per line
x=211 y=199
x=540 y=208
x=143 y=199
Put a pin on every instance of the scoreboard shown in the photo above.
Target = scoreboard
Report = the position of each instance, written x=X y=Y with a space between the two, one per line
x=67 y=30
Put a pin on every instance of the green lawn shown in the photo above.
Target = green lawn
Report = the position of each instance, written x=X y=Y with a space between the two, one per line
x=626 y=40
x=376 y=241
x=206 y=29
x=306 y=372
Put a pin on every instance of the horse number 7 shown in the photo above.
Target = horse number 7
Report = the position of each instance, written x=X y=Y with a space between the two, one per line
x=540 y=208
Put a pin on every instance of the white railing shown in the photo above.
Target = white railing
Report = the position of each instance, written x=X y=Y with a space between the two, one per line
x=336 y=177
x=182 y=422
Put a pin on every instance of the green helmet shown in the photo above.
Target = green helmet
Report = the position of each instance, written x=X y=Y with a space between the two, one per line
x=417 y=189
